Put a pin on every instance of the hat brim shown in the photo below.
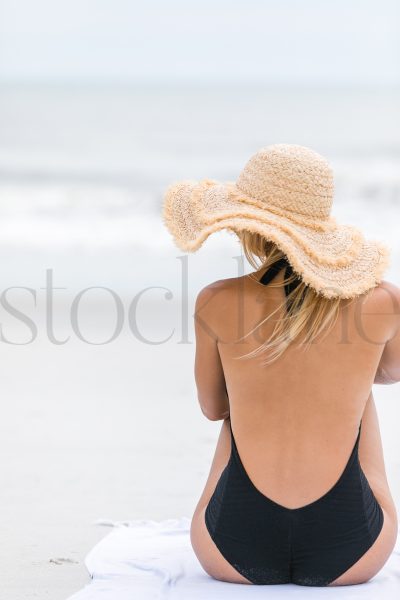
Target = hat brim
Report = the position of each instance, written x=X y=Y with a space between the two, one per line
x=336 y=260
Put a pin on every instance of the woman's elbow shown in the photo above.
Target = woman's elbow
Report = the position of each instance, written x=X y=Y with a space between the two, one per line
x=384 y=378
x=213 y=416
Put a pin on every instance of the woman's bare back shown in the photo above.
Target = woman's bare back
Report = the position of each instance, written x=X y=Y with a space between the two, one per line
x=295 y=421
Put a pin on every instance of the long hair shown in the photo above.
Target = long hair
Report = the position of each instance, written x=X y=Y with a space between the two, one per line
x=306 y=312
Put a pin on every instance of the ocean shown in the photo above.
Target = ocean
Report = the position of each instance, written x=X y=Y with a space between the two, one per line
x=83 y=170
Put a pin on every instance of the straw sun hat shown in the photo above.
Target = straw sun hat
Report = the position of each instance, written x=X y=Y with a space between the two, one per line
x=284 y=193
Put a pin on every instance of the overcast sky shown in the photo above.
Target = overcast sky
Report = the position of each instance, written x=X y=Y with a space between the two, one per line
x=265 y=41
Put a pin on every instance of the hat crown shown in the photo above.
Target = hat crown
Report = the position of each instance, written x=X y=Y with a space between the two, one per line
x=291 y=177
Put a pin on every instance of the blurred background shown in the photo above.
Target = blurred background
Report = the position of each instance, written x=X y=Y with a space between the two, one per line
x=102 y=105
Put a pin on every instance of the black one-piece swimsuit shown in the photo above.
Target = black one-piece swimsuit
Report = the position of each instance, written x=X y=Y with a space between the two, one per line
x=311 y=545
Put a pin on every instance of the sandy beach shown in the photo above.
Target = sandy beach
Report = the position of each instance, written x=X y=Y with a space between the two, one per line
x=92 y=432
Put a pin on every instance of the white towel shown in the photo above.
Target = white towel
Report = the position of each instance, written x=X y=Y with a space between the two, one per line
x=154 y=560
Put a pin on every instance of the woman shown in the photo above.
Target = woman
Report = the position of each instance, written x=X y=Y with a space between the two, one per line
x=286 y=357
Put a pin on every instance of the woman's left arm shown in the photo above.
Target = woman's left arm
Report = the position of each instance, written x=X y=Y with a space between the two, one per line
x=208 y=371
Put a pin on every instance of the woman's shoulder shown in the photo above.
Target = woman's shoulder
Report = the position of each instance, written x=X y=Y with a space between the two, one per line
x=384 y=295
x=388 y=288
x=218 y=300
x=219 y=288
x=379 y=309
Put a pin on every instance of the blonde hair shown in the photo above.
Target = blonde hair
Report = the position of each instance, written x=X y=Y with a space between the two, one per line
x=306 y=311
